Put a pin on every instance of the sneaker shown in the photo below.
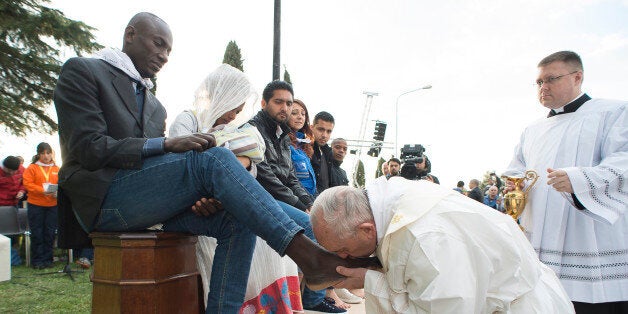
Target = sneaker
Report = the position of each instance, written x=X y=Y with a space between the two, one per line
x=84 y=263
x=324 y=307
x=347 y=296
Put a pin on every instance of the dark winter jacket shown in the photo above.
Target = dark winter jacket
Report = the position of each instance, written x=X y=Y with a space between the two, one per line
x=276 y=173
x=319 y=151
x=477 y=194
x=338 y=175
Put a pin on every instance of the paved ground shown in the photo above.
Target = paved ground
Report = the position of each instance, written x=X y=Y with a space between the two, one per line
x=357 y=309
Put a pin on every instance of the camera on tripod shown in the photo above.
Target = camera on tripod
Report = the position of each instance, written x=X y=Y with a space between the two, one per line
x=412 y=153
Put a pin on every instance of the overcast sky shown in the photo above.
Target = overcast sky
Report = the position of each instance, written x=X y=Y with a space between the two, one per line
x=479 y=56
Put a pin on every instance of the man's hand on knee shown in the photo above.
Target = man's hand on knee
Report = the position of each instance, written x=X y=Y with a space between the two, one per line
x=206 y=207
x=197 y=142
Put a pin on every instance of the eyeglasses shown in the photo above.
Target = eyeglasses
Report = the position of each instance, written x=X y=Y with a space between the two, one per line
x=551 y=79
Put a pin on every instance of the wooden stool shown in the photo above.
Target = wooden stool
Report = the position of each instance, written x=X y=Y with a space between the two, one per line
x=145 y=272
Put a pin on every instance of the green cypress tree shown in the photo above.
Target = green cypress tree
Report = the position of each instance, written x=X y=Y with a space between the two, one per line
x=378 y=172
x=233 y=57
x=484 y=182
x=358 y=179
x=286 y=75
x=29 y=65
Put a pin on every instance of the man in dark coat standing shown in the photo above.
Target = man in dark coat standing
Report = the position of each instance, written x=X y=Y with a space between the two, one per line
x=475 y=192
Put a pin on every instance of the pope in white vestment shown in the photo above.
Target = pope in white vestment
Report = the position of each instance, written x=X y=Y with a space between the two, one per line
x=441 y=251
x=587 y=248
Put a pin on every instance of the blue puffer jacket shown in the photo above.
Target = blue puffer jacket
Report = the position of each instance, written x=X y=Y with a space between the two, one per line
x=303 y=167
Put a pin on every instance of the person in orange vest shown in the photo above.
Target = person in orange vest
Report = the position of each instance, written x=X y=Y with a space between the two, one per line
x=40 y=180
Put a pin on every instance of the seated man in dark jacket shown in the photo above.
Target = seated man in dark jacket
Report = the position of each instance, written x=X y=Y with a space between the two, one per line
x=276 y=172
x=339 y=150
x=322 y=126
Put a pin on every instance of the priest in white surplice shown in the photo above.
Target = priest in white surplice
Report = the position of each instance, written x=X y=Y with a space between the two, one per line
x=576 y=217
x=441 y=251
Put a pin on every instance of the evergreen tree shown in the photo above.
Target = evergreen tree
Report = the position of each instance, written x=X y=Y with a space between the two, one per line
x=30 y=65
x=286 y=75
x=233 y=57
x=358 y=179
x=378 y=172
x=485 y=178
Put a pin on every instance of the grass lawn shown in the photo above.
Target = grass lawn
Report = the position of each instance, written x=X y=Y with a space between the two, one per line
x=33 y=291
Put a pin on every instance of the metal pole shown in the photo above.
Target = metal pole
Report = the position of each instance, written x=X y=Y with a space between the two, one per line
x=365 y=117
x=397 y=115
x=277 y=40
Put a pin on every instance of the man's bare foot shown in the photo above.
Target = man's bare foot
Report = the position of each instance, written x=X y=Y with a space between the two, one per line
x=330 y=293
x=319 y=265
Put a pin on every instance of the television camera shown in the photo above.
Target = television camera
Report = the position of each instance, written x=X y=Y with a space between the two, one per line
x=412 y=153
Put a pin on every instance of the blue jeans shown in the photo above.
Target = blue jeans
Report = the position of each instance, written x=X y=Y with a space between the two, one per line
x=42 y=221
x=309 y=298
x=165 y=189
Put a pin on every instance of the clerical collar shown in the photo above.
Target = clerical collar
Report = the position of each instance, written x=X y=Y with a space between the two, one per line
x=570 y=107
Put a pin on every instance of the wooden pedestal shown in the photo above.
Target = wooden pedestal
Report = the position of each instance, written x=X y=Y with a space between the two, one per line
x=145 y=272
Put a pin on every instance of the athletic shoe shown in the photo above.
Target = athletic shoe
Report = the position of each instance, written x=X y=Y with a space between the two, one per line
x=324 y=307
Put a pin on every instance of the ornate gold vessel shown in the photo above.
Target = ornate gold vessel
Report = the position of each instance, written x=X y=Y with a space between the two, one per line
x=515 y=201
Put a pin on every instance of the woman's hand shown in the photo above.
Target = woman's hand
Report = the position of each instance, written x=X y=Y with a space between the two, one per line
x=245 y=161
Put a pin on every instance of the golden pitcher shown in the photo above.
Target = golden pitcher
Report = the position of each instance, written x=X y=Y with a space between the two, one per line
x=515 y=201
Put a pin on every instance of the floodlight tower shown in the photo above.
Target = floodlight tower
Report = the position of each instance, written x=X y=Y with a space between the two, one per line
x=365 y=118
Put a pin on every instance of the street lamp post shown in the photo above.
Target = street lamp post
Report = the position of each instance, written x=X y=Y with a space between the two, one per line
x=397 y=114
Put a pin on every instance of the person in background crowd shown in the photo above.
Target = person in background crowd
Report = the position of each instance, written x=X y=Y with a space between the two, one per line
x=40 y=180
x=302 y=146
x=22 y=202
x=474 y=191
x=409 y=171
x=492 y=199
x=577 y=214
x=339 y=150
x=11 y=188
x=496 y=180
x=432 y=178
x=11 y=192
x=322 y=127
x=460 y=187
x=394 y=166
x=424 y=169
x=385 y=169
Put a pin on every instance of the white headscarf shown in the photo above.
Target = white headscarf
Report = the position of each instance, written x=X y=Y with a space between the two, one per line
x=225 y=89
x=121 y=60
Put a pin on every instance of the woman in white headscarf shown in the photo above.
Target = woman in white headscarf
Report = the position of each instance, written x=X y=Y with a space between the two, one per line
x=221 y=97
x=224 y=93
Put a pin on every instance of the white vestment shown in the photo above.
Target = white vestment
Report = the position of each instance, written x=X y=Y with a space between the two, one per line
x=443 y=252
x=588 y=249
